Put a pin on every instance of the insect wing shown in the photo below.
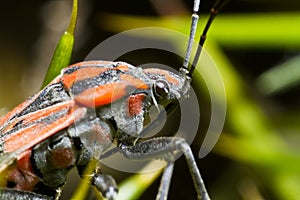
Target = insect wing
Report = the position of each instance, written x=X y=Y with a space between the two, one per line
x=33 y=121
x=18 y=142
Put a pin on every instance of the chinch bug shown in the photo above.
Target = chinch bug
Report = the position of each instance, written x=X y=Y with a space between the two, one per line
x=49 y=133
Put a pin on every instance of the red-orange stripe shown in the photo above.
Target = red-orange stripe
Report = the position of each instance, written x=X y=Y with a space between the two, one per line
x=133 y=81
x=102 y=95
x=164 y=73
x=32 y=135
x=135 y=104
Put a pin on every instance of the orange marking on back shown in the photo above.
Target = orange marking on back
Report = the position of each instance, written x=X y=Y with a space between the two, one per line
x=166 y=74
x=81 y=74
x=102 y=95
x=39 y=131
x=5 y=121
x=109 y=92
x=133 y=81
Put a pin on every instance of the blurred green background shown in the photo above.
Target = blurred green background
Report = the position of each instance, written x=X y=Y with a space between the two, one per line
x=255 y=45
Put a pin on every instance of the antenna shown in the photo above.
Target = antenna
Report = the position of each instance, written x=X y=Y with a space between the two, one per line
x=195 y=16
x=194 y=22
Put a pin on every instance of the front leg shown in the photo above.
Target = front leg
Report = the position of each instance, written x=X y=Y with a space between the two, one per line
x=163 y=190
x=167 y=148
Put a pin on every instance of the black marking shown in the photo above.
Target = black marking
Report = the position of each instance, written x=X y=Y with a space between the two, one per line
x=113 y=123
x=50 y=96
x=11 y=184
x=71 y=70
x=18 y=123
x=47 y=120
x=108 y=76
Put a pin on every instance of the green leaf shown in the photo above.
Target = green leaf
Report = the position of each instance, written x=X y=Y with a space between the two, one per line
x=63 y=51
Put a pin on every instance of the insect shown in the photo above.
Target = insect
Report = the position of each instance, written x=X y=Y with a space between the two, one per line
x=76 y=117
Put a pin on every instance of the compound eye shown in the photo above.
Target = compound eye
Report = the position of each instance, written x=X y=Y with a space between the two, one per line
x=161 y=88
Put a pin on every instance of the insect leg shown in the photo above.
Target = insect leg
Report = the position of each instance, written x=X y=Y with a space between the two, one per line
x=165 y=182
x=11 y=194
x=168 y=148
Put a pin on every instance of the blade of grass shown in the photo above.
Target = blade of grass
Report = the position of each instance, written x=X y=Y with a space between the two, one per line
x=83 y=187
x=130 y=189
x=133 y=187
x=243 y=31
x=63 y=51
x=280 y=77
